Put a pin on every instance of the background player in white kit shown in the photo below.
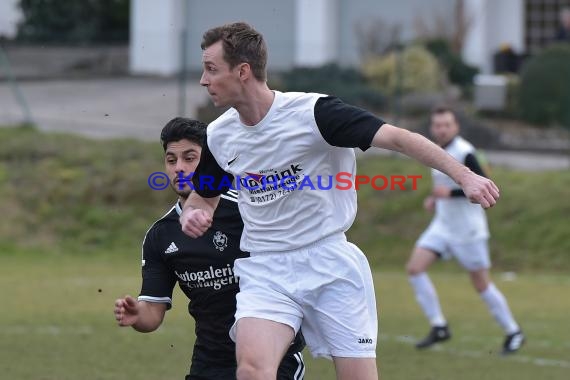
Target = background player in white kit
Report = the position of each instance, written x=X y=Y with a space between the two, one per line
x=302 y=271
x=458 y=229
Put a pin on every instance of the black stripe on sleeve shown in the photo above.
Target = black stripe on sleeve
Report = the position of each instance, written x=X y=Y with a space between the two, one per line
x=209 y=179
x=472 y=163
x=456 y=193
x=344 y=125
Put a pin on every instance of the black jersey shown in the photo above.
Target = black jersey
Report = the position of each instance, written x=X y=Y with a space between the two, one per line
x=203 y=268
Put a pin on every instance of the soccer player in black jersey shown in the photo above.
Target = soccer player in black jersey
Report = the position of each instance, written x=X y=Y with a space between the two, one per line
x=203 y=268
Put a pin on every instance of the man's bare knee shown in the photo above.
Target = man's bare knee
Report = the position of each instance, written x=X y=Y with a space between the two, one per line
x=420 y=261
x=413 y=269
x=480 y=280
x=260 y=346
x=356 y=368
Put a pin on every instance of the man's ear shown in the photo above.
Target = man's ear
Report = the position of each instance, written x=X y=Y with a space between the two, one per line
x=244 y=71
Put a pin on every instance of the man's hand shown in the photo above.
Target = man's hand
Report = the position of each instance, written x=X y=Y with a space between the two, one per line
x=429 y=204
x=195 y=222
x=479 y=189
x=126 y=311
x=441 y=192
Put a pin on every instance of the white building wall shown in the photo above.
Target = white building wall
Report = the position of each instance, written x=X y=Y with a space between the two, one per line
x=312 y=32
x=10 y=15
x=475 y=48
x=316 y=32
x=506 y=25
x=494 y=23
x=156 y=28
x=402 y=13
x=274 y=18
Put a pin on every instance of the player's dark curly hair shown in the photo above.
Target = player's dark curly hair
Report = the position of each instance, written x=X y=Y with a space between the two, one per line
x=242 y=44
x=181 y=128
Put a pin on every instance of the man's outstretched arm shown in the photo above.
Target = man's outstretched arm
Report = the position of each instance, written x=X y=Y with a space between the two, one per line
x=477 y=188
x=140 y=315
x=198 y=214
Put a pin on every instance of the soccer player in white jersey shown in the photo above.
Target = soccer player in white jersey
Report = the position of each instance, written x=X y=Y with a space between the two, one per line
x=458 y=229
x=302 y=272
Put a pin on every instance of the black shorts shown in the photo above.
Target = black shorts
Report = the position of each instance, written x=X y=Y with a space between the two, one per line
x=292 y=367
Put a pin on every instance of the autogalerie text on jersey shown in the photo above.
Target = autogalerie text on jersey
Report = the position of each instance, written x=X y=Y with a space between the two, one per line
x=256 y=183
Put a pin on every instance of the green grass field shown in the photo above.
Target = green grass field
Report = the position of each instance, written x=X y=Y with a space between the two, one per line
x=75 y=211
x=83 y=197
x=56 y=323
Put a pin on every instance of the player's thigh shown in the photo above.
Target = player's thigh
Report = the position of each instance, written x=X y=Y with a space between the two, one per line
x=262 y=343
x=420 y=260
x=356 y=368
x=472 y=256
x=429 y=247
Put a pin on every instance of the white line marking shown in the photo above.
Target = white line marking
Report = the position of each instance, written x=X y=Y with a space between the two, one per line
x=541 y=362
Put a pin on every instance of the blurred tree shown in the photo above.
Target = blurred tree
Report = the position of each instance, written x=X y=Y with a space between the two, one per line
x=458 y=72
x=74 y=21
x=376 y=37
x=419 y=71
x=453 y=28
x=444 y=36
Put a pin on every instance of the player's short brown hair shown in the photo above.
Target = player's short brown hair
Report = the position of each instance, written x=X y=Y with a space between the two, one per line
x=442 y=108
x=241 y=44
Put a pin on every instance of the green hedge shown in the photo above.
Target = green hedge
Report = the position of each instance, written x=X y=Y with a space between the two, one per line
x=544 y=97
x=74 y=21
x=415 y=70
x=458 y=72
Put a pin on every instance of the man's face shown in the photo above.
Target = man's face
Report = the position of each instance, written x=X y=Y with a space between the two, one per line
x=181 y=158
x=223 y=84
x=443 y=127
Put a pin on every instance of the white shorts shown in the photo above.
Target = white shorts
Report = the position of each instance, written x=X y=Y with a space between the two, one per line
x=325 y=289
x=472 y=255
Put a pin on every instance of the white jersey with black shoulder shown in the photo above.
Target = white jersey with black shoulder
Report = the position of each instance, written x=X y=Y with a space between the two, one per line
x=456 y=218
x=286 y=168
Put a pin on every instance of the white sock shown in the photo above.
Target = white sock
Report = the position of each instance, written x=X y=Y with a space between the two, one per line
x=427 y=298
x=499 y=309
